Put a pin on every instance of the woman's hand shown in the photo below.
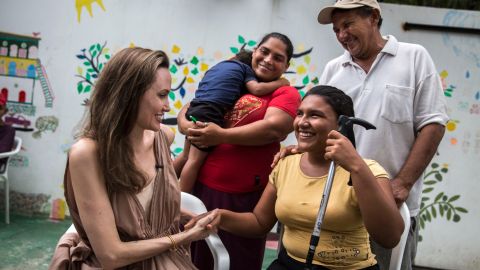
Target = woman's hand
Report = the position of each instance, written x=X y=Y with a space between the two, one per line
x=213 y=224
x=340 y=149
x=201 y=226
x=284 y=151
x=205 y=134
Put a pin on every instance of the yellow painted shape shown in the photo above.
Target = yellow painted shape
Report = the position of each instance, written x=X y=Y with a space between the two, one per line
x=451 y=126
x=453 y=141
x=186 y=71
x=175 y=49
x=301 y=70
x=177 y=104
x=79 y=4
x=204 y=67
x=301 y=47
x=443 y=74
x=80 y=71
x=200 y=51
x=307 y=59
x=190 y=80
x=131 y=45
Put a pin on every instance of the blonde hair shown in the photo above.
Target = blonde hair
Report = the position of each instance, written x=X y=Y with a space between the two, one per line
x=113 y=110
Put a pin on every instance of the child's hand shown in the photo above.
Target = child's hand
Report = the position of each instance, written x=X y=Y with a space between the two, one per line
x=284 y=81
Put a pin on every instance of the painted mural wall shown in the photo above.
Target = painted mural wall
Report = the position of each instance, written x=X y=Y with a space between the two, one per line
x=50 y=58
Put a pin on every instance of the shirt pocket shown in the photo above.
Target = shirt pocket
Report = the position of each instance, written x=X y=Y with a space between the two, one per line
x=397 y=104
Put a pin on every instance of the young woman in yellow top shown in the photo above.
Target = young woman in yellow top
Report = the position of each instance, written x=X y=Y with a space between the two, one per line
x=293 y=194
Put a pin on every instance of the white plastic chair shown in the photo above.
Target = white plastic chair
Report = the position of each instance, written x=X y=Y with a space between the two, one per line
x=219 y=252
x=397 y=252
x=4 y=175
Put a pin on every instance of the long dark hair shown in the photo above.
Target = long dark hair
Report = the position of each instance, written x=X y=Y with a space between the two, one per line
x=113 y=111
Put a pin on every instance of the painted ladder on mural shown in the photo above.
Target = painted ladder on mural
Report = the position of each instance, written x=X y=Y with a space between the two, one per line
x=46 y=88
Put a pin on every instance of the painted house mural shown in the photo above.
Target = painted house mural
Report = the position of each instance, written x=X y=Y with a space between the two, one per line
x=20 y=69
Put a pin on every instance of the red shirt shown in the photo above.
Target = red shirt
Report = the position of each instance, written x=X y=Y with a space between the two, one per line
x=240 y=168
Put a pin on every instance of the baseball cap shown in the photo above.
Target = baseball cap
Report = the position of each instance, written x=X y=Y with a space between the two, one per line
x=325 y=15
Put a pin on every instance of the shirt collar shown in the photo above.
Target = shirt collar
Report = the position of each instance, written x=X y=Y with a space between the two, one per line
x=391 y=47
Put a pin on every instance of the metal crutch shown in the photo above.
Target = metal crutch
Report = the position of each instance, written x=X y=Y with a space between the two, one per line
x=345 y=127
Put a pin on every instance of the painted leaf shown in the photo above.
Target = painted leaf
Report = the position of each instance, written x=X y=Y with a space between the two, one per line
x=438 y=196
x=173 y=69
x=87 y=89
x=177 y=150
x=315 y=80
x=306 y=80
x=79 y=88
x=178 y=104
x=251 y=43
x=434 y=212
x=444 y=170
x=88 y=77
x=234 y=50
x=81 y=56
x=427 y=190
x=430 y=182
x=422 y=224
x=454 y=198
x=171 y=95
x=307 y=59
x=94 y=53
x=434 y=165
x=461 y=209
x=456 y=218
x=441 y=210
x=86 y=63
x=194 y=60
x=203 y=67
x=422 y=205
x=107 y=56
x=91 y=70
x=100 y=67
x=94 y=75
x=99 y=47
x=449 y=213
x=241 y=40
x=182 y=92
x=195 y=71
x=439 y=177
x=91 y=48
x=424 y=199
x=186 y=71
x=429 y=217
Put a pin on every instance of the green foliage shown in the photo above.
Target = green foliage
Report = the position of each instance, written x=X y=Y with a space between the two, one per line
x=93 y=61
x=442 y=205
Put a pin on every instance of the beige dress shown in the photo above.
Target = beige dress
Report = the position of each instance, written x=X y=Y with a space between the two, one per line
x=133 y=223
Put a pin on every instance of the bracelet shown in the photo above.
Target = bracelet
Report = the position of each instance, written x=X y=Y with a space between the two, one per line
x=174 y=244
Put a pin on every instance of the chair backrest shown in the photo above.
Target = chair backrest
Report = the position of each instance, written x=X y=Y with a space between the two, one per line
x=17 y=145
x=397 y=252
x=219 y=252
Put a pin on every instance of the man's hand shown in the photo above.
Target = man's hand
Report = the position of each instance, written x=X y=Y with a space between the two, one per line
x=400 y=191
x=285 y=151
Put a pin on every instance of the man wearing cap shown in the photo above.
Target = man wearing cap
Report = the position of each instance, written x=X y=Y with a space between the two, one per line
x=395 y=86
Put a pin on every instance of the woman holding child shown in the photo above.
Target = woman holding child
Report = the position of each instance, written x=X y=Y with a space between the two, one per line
x=236 y=171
